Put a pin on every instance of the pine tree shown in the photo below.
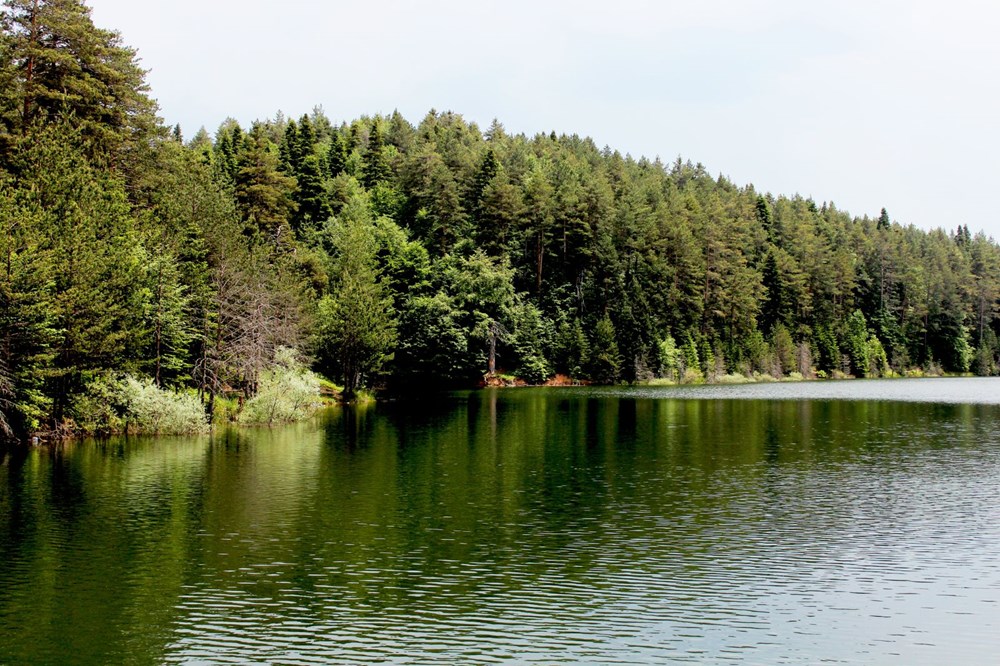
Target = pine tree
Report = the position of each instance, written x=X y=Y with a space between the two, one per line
x=376 y=167
x=357 y=326
x=605 y=360
x=83 y=227
x=66 y=68
x=336 y=156
x=311 y=201
x=883 y=220
x=263 y=193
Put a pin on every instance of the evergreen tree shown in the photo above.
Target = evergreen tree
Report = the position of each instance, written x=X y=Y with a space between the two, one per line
x=605 y=361
x=263 y=193
x=357 y=327
x=66 y=68
x=376 y=165
x=883 y=220
x=312 y=206
x=336 y=155
x=81 y=225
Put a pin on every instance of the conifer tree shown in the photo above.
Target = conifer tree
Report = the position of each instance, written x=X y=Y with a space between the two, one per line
x=605 y=359
x=263 y=193
x=376 y=166
x=66 y=68
x=883 y=220
x=336 y=155
x=356 y=323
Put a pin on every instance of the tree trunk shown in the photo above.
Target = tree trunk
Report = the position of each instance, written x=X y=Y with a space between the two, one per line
x=493 y=349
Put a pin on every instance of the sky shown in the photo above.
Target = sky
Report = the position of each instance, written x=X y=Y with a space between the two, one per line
x=863 y=104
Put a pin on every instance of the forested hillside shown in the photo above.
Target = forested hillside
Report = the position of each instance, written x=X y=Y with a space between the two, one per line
x=389 y=254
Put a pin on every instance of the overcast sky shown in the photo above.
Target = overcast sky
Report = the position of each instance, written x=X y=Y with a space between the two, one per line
x=866 y=104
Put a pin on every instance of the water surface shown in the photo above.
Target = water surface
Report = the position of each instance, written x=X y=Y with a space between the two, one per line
x=751 y=524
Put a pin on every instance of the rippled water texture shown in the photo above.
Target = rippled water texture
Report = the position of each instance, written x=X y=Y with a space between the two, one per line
x=576 y=525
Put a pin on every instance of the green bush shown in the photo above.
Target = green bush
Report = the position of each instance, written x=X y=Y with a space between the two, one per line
x=136 y=406
x=286 y=392
x=534 y=369
x=693 y=376
x=152 y=410
x=98 y=408
x=733 y=378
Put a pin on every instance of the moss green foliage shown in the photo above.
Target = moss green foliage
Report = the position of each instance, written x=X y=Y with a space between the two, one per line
x=400 y=256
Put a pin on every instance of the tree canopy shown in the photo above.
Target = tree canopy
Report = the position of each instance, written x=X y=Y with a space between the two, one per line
x=397 y=255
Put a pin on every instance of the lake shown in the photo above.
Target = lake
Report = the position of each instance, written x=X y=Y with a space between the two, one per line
x=847 y=522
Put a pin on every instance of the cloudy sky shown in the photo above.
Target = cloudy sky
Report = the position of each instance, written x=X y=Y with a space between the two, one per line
x=866 y=104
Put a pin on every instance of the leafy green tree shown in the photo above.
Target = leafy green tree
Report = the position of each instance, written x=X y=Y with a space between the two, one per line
x=669 y=358
x=433 y=343
x=605 y=361
x=856 y=343
x=878 y=364
x=357 y=325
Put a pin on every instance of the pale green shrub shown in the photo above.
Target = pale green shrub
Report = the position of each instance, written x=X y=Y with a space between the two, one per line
x=692 y=376
x=733 y=378
x=134 y=405
x=286 y=392
x=152 y=410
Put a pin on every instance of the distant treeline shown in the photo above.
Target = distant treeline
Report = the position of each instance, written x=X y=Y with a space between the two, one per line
x=392 y=255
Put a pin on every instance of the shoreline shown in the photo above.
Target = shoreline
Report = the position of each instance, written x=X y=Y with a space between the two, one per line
x=327 y=400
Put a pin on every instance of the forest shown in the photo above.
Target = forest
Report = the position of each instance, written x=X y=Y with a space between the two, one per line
x=151 y=281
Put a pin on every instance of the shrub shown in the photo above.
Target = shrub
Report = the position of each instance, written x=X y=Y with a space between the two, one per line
x=152 y=410
x=133 y=405
x=692 y=376
x=286 y=392
x=98 y=408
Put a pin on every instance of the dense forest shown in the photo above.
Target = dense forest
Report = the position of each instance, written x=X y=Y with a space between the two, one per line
x=136 y=264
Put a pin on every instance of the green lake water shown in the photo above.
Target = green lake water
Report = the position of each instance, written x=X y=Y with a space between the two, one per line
x=846 y=522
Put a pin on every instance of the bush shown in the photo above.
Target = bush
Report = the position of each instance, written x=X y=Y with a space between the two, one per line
x=98 y=408
x=692 y=376
x=152 y=410
x=136 y=406
x=286 y=392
